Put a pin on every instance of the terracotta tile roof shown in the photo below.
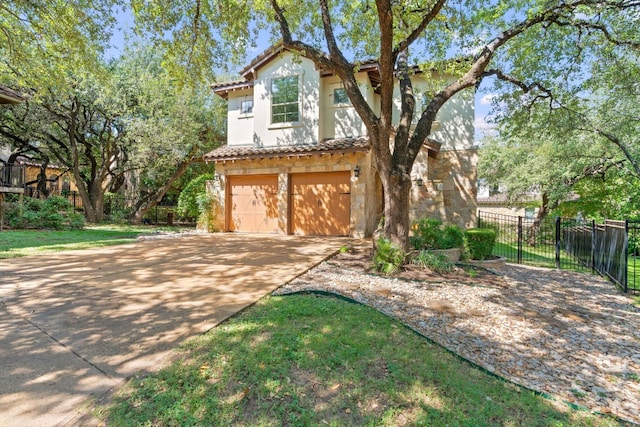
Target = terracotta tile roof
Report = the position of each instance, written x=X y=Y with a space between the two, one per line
x=238 y=152
x=222 y=89
x=499 y=198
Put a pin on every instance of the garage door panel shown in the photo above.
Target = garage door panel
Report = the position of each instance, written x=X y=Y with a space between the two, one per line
x=321 y=204
x=254 y=203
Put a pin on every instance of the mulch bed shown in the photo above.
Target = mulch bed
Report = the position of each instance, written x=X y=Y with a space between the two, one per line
x=359 y=258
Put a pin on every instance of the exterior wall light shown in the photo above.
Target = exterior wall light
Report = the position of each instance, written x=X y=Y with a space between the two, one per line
x=216 y=177
x=356 y=171
x=419 y=182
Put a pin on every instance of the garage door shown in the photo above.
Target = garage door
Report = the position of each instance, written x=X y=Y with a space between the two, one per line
x=253 y=203
x=321 y=204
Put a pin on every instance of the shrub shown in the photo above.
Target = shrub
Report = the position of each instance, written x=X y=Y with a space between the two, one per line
x=430 y=233
x=189 y=205
x=480 y=242
x=207 y=207
x=388 y=258
x=115 y=206
x=52 y=213
x=435 y=262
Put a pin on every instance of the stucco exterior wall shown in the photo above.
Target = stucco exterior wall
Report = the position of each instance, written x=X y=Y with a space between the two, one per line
x=454 y=128
x=306 y=131
x=341 y=120
x=239 y=126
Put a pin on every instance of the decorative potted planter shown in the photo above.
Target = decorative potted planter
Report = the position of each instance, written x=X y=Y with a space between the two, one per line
x=494 y=262
x=452 y=255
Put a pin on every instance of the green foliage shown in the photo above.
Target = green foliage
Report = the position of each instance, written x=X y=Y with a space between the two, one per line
x=388 y=258
x=43 y=44
x=434 y=262
x=208 y=208
x=430 y=233
x=190 y=202
x=54 y=213
x=114 y=206
x=480 y=242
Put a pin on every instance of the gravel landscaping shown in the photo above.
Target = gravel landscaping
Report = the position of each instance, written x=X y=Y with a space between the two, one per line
x=570 y=335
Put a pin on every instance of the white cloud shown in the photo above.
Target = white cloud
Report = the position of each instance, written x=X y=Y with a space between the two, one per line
x=482 y=128
x=486 y=100
x=481 y=124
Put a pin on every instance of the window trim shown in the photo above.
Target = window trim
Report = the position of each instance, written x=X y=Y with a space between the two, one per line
x=249 y=113
x=298 y=102
x=335 y=104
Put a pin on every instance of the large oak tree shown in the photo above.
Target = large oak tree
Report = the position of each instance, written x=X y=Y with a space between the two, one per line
x=524 y=43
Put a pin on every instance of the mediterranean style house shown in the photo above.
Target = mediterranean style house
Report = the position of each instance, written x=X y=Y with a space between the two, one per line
x=297 y=159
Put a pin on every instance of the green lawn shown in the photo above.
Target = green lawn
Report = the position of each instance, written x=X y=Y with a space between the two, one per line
x=308 y=360
x=544 y=256
x=19 y=243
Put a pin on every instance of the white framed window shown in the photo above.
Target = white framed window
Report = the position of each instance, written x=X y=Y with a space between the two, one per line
x=340 y=97
x=246 y=107
x=285 y=100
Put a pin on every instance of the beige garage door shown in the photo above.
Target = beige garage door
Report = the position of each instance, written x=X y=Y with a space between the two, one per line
x=321 y=204
x=253 y=206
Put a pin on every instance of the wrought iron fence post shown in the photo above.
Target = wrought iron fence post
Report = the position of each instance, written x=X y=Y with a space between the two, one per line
x=625 y=247
x=558 y=242
x=593 y=245
x=519 y=256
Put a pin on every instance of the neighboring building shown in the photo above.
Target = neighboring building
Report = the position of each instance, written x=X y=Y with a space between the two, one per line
x=297 y=159
x=11 y=176
x=22 y=175
x=496 y=201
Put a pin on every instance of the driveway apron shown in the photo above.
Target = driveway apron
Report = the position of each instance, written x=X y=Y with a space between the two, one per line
x=76 y=324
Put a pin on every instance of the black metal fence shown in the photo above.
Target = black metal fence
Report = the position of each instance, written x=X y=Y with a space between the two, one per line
x=611 y=248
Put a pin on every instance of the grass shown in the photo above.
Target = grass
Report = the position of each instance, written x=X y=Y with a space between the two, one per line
x=544 y=256
x=308 y=360
x=18 y=243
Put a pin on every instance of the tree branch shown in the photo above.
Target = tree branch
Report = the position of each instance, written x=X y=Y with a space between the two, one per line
x=426 y=20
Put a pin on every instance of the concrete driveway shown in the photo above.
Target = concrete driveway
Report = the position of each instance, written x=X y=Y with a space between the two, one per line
x=74 y=325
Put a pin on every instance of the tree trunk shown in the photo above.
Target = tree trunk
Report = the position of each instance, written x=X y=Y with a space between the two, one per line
x=396 y=187
x=144 y=205
x=534 y=231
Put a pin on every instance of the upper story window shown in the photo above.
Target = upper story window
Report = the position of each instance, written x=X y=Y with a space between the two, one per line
x=285 y=100
x=340 y=96
x=246 y=107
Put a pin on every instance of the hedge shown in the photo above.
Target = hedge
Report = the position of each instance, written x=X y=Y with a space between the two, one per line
x=480 y=242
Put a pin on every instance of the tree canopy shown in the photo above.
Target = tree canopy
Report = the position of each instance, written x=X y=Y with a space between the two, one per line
x=534 y=51
x=577 y=139
x=41 y=43
x=531 y=45
x=131 y=129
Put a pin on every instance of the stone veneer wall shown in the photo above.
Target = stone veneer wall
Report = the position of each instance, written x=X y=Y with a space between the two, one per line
x=363 y=192
x=450 y=191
